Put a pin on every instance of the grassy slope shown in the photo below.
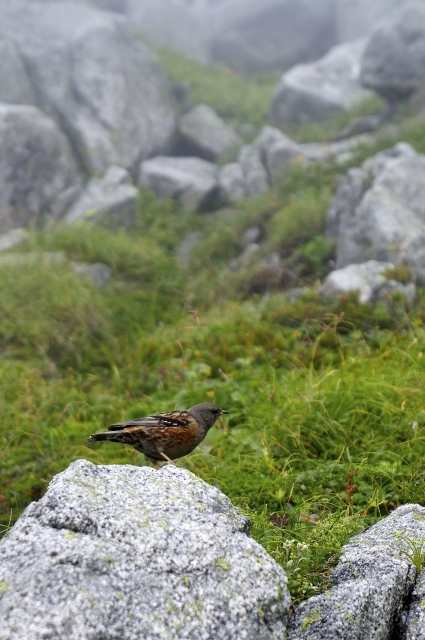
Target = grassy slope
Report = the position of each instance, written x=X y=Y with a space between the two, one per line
x=314 y=391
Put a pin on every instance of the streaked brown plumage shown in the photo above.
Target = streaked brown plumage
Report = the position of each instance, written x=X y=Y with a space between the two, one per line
x=165 y=436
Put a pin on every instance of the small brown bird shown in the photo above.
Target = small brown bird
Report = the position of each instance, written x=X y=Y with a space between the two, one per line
x=165 y=436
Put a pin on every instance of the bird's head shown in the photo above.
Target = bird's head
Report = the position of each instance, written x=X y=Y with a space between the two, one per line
x=206 y=413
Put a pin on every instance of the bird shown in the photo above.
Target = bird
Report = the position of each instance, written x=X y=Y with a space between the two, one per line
x=164 y=436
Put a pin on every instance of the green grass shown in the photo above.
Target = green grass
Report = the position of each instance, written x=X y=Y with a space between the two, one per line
x=236 y=99
x=322 y=395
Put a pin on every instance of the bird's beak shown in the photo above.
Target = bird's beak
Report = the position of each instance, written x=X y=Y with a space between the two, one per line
x=223 y=411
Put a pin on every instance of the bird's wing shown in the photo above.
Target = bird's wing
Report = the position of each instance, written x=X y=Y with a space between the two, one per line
x=170 y=419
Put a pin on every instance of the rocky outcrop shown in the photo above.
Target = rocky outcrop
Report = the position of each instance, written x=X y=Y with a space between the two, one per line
x=111 y=200
x=85 y=69
x=204 y=134
x=379 y=211
x=265 y=162
x=132 y=552
x=38 y=174
x=193 y=181
x=369 y=280
x=316 y=91
x=373 y=582
x=394 y=61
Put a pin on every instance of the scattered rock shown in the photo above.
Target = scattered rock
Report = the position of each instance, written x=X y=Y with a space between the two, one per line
x=203 y=133
x=357 y=126
x=314 y=92
x=12 y=238
x=232 y=181
x=110 y=199
x=38 y=175
x=379 y=211
x=369 y=280
x=86 y=69
x=98 y=272
x=184 y=249
x=393 y=63
x=192 y=180
x=373 y=580
x=132 y=552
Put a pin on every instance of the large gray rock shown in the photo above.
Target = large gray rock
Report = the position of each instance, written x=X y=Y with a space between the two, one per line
x=128 y=552
x=111 y=199
x=192 y=180
x=38 y=174
x=85 y=68
x=379 y=211
x=394 y=60
x=368 y=280
x=373 y=580
x=252 y=36
x=203 y=133
x=316 y=91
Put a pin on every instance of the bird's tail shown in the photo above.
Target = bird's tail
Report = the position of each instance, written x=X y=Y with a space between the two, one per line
x=96 y=437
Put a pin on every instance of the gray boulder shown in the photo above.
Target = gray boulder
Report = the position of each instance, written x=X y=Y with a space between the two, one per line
x=193 y=181
x=38 y=174
x=394 y=60
x=86 y=69
x=251 y=36
x=132 y=552
x=379 y=211
x=203 y=133
x=372 y=582
x=369 y=280
x=111 y=199
x=232 y=181
x=314 y=92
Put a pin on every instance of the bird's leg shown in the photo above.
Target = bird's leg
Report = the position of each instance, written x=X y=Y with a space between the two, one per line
x=164 y=455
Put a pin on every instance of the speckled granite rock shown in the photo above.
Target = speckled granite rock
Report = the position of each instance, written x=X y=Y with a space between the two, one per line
x=415 y=623
x=122 y=552
x=373 y=581
x=378 y=212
